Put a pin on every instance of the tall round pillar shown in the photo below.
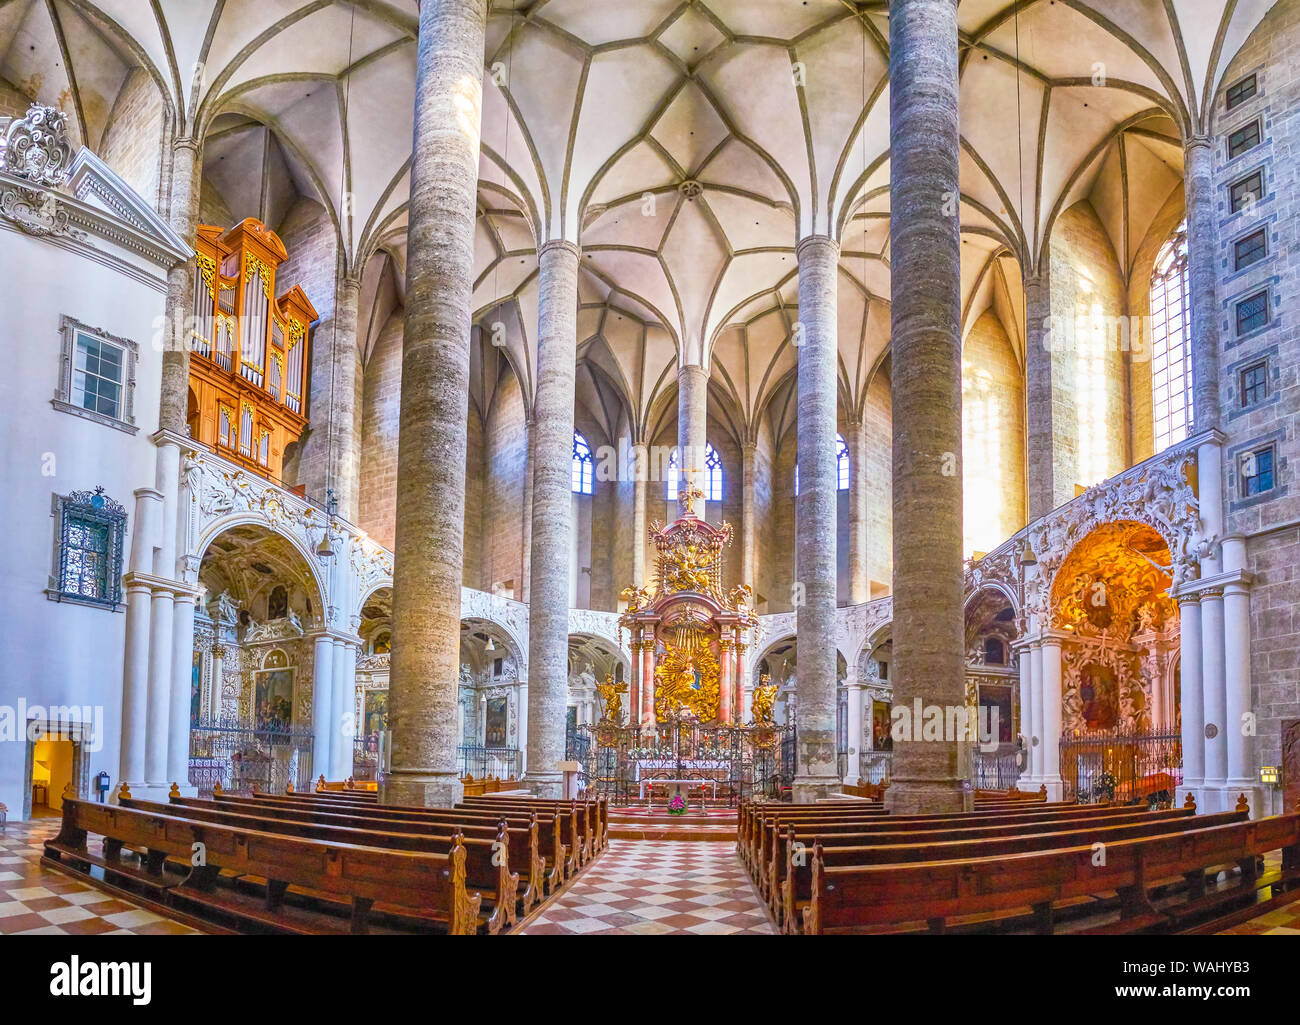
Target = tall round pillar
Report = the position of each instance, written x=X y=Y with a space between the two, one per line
x=1213 y=673
x=692 y=430
x=1051 y=699
x=549 y=588
x=816 y=770
x=859 y=516
x=429 y=544
x=925 y=330
x=1191 y=696
x=1202 y=253
x=178 y=730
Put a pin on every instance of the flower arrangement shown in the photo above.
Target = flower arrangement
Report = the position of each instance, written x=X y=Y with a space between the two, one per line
x=677 y=805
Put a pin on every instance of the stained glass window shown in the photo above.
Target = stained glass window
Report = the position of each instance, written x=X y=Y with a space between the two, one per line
x=583 y=466
x=1171 y=343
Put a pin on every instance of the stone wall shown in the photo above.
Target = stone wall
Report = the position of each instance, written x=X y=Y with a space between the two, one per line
x=993 y=431
x=132 y=145
x=1268 y=520
x=381 y=408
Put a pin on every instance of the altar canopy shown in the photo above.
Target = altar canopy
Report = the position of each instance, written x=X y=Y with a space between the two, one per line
x=687 y=632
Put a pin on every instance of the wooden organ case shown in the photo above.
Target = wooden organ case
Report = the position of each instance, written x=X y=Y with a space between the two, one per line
x=248 y=356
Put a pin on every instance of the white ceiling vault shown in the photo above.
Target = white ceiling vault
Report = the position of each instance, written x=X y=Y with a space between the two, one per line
x=685 y=144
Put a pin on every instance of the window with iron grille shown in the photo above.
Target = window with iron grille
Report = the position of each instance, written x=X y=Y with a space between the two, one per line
x=1171 y=343
x=1249 y=189
x=1257 y=471
x=88 y=559
x=1254 y=384
x=1244 y=138
x=1252 y=313
x=1251 y=249
x=1240 y=92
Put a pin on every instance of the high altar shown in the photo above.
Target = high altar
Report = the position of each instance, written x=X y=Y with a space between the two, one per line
x=687 y=633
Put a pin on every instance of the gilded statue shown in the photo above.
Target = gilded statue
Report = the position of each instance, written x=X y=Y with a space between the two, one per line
x=610 y=694
x=761 y=705
x=689 y=568
x=687 y=680
x=637 y=598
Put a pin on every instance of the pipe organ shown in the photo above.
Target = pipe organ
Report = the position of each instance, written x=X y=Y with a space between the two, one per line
x=248 y=356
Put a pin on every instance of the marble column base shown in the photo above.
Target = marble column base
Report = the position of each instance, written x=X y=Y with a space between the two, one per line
x=807 y=789
x=420 y=790
x=1223 y=797
x=924 y=797
x=549 y=786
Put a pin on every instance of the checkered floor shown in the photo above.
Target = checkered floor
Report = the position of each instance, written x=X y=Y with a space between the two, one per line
x=38 y=901
x=656 y=887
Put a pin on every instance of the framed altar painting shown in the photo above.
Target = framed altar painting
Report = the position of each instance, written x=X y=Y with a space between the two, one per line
x=375 y=714
x=498 y=711
x=273 y=699
x=881 y=738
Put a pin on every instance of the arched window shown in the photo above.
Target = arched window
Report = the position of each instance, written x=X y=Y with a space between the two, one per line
x=1171 y=343
x=713 y=471
x=583 y=466
x=841 y=465
x=712 y=467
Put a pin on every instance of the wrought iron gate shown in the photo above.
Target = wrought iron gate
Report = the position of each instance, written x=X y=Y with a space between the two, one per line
x=1129 y=768
x=625 y=763
x=242 y=759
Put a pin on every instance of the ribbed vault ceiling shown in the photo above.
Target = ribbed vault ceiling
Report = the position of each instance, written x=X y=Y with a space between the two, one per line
x=686 y=144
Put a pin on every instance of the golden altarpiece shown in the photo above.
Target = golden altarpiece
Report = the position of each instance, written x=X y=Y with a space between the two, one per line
x=248 y=355
x=687 y=631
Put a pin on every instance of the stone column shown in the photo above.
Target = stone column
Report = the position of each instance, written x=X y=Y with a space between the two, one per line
x=342 y=708
x=135 y=660
x=162 y=605
x=639 y=535
x=522 y=699
x=648 y=682
x=925 y=270
x=1036 y=677
x=859 y=516
x=1026 y=715
x=816 y=771
x=1213 y=674
x=1202 y=239
x=218 y=674
x=337 y=426
x=183 y=218
x=178 y=732
x=853 y=770
x=1191 y=697
x=429 y=544
x=1040 y=444
x=748 y=528
x=692 y=429
x=527 y=546
x=726 y=678
x=740 y=693
x=1050 y=742
x=322 y=705
x=1236 y=634
x=548 y=615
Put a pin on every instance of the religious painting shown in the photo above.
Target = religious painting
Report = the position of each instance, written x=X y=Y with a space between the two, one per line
x=383 y=644
x=277 y=607
x=881 y=738
x=1099 y=697
x=375 y=717
x=494 y=734
x=273 y=699
x=995 y=714
x=196 y=690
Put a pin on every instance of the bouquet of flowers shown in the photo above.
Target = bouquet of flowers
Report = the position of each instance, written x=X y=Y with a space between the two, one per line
x=677 y=806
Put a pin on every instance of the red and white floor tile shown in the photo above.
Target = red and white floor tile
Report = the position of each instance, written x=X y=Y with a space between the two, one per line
x=35 y=900
x=657 y=887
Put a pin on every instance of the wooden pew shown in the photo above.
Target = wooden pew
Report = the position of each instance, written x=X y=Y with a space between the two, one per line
x=795 y=885
x=593 y=818
x=555 y=828
x=430 y=885
x=900 y=831
x=496 y=881
x=759 y=846
x=849 y=898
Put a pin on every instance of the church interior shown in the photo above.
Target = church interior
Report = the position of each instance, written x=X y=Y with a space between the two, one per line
x=650 y=467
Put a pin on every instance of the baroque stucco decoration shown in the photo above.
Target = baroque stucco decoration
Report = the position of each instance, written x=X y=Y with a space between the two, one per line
x=1157 y=493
